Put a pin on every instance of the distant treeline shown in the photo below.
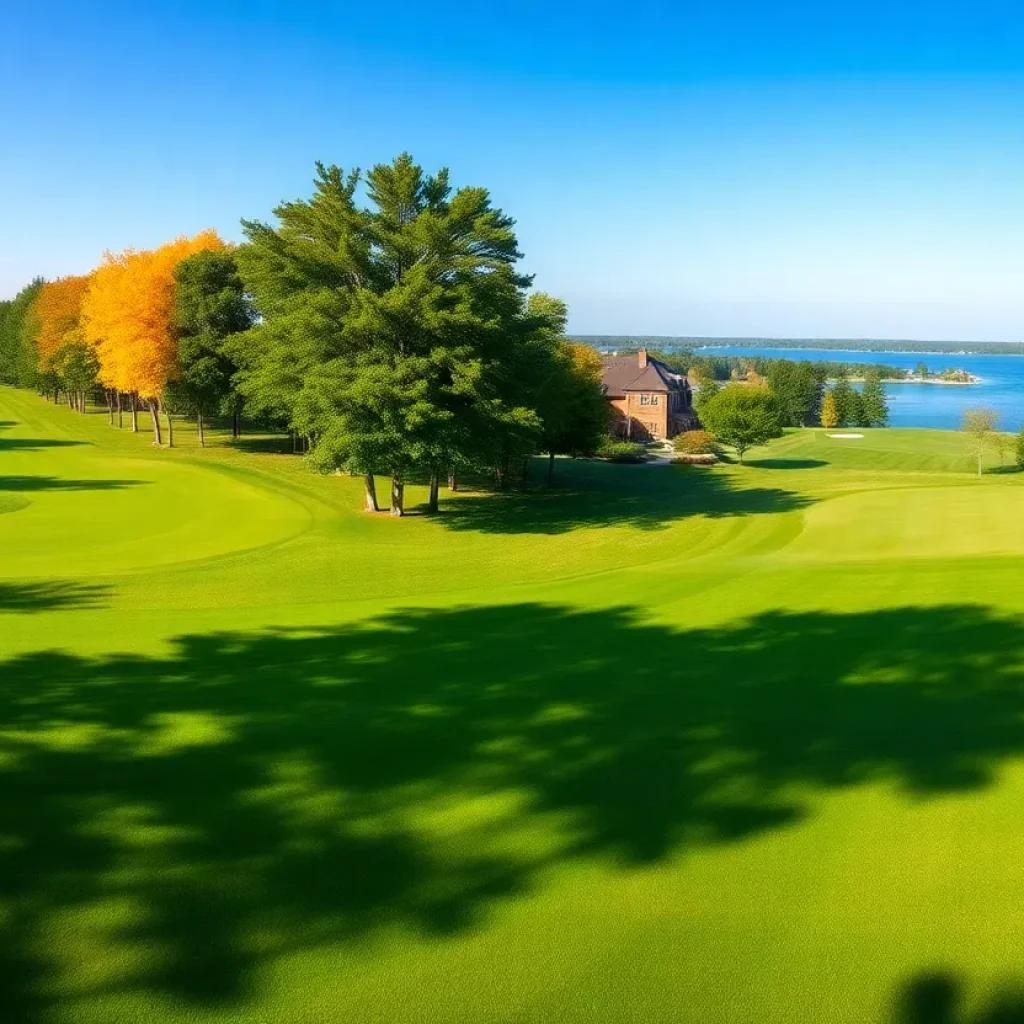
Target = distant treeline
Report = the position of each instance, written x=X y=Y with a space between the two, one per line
x=667 y=343
x=722 y=368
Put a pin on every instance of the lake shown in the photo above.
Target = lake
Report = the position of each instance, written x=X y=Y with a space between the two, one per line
x=926 y=405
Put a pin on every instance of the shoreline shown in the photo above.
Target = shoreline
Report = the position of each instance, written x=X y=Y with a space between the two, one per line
x=918 y=380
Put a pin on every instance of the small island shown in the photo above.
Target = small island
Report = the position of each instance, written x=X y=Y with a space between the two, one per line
x=922 y=375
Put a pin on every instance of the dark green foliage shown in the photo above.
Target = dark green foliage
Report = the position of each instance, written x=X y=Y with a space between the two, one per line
x=621 y=451
x=742 y=416
x=211 y=311
x=874 y=404
x=18 y=363
x=1020 y=450
x=76 y=367
x=849 y=407
x=394 y=337
x=798 y=389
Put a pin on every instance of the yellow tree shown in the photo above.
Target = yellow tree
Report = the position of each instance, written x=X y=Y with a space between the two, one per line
x=56 y=314
x=127 y=314
x=829 y=412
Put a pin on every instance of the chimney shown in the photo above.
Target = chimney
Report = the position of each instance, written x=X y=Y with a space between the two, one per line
x=642 y=358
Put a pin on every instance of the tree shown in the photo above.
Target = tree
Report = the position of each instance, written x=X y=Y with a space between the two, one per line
x=571 y=403
x=18 y=361
x=57 y=309
x=797 y=390
x=742 y=417
x=979 y=425
x=829 y=412
x=210 y=307
x=1020 y=450
x=874 y=402
x=849 y=407
x=127 y=315
x=76 y=366
x=388 y=335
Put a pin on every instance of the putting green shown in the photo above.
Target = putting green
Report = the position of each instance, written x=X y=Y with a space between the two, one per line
x=660 y=745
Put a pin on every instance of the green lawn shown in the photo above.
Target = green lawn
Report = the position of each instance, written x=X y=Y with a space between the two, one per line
x=730 y=746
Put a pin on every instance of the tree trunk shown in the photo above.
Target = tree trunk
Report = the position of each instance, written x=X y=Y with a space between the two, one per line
x=453 y=483
x=371 y=493
x=83 y=403
x=110 y=405
x=135 y=413
x=154 y=412
x=236 y=430
x=551 y=467
x=170 y=431
x=979 y=463
x=397 y=495
x=120 y=411
x=202 y=434
x=432 y=504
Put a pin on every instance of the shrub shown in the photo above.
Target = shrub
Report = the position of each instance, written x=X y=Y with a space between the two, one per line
x=697 y=459
x=622 y=451
x=1020 y=450
x=696 y=442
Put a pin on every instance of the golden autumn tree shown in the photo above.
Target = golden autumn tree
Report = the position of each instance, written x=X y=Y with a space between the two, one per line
x=127 y=314
x=56 y=314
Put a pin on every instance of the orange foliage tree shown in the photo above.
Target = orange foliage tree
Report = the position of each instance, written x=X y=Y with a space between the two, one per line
x=57 y=309
x=127 y=316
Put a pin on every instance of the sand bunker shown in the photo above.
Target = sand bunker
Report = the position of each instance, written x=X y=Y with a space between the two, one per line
x=845 y=437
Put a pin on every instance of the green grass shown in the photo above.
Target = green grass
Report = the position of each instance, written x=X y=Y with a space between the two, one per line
x=741 y=745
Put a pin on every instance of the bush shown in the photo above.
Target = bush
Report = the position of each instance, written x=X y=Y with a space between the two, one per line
x=705 y=459
x=622 y=451
x=696 y=442
x=1020 y=450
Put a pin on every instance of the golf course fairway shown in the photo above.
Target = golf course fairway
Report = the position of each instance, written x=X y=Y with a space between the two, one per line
x=659 y=744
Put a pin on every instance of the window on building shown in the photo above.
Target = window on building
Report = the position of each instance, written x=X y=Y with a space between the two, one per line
x=648 y=399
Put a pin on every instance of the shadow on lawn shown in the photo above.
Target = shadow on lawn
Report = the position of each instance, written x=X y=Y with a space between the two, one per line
x=180 y=821
x=937 y=999
x=41 y=597
x=56 y=483
x=596 y=494
x=786 y=463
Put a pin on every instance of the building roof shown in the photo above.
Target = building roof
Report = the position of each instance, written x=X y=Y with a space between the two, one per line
x=624 y=373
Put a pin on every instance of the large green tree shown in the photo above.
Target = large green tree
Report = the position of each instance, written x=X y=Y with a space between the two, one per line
x=848 y=403
x=210 y=309
x=18 y=362
x=873 y=402
x=742 y=416
x=388 y=333
x=798 y=391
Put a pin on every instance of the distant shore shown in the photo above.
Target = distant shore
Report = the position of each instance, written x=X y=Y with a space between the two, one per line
x=922 y=380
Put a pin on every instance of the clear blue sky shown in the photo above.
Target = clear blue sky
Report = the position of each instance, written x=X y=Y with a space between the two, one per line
x=716 y=168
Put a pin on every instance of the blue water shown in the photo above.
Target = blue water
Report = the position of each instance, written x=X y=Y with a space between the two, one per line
x=927 y=405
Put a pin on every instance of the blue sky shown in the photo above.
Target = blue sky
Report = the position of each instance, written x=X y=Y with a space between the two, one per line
x=716 y=168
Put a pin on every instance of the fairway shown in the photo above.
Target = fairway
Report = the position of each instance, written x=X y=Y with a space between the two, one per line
x=741 y=745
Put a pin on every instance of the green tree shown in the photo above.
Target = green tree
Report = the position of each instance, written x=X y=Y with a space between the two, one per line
x=874 y=402
x=210 y=309
x=980 y=426
x=571 y=403
x=1020 y=450
x=797 y=390
x=76 y=367
x=18 y=363
x=742 y=417
x=388 y=334
x=849 y=407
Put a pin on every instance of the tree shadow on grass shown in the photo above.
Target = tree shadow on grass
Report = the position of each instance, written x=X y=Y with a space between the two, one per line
x=182 y=821
x=598 y=494
x=56 y=483
x=786 y=463
x=40 y=597
x=938 y=999
x=30 y=444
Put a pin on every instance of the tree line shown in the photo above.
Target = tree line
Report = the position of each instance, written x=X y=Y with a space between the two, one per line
x=383 y=321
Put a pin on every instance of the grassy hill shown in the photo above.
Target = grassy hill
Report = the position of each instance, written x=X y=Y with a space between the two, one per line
x=659 y=744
